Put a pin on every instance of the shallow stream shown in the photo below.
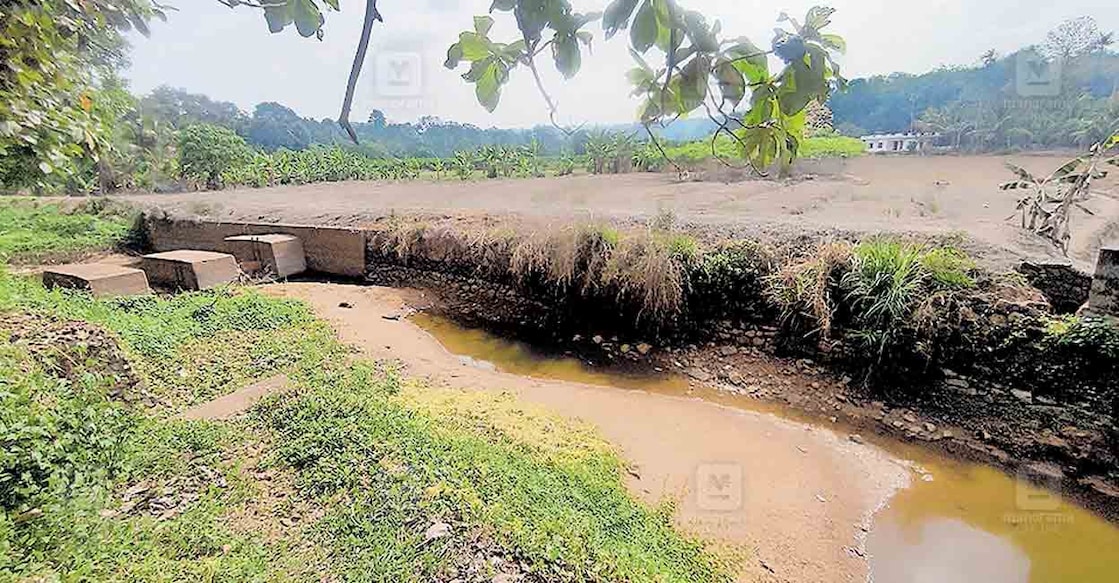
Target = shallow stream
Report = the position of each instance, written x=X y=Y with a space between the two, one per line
x=958 y=522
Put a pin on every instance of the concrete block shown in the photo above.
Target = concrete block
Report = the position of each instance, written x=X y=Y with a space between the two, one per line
x=1104 y=298
x=190 y=269
x=281 y=255
x=333 y=250
x=99 y=278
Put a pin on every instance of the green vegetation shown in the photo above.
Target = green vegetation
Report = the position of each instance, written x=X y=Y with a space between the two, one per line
x=825 y=146
x=31 y=231
x=70 y=125
x=339 y=479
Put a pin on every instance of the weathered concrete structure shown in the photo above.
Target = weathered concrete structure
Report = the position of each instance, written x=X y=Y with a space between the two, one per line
x=190 y=269
x=330 y=250
x=1104 y=299
x=280 y=255
x=99 y=278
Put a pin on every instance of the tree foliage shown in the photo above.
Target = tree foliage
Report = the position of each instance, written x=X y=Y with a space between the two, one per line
x=55 y=54
x=206 y=151
x=703 y=69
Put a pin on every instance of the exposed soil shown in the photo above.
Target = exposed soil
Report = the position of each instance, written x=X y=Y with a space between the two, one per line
x=924 y=195
x=799 y=498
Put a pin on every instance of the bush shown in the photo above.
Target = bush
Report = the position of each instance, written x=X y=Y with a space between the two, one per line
x=208 y=151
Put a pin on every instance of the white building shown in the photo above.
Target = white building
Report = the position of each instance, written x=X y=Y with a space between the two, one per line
x=909 y=142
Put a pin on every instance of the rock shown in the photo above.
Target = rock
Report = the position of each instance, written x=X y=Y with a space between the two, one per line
x=625 y=348
x=930 y=427
x=1101 y=486
x=728 y=350
x=909 y=417
x=815 y=385
x=577 y=338
x=505 y=578
x=699 y=375
x=346 y=305
x=1023 y=396
x=393 y=316
x=759 y=341
x=1045 y=471
x=958 y=383
x=644 y=348
x=855 y=437
x=597 y=339
x=437 y=530
x=1045 y=401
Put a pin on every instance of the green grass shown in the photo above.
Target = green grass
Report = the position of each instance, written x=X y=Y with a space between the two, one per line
x=727 y=149
x=369 y=459
x=33 y=231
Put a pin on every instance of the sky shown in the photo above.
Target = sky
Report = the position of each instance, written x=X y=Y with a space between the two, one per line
x=229 y=54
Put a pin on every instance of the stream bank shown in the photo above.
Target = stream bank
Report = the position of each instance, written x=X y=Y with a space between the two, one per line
x=981 y=366
x=815 y=498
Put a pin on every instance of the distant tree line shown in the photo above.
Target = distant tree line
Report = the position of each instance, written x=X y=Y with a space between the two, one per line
x=981 y=107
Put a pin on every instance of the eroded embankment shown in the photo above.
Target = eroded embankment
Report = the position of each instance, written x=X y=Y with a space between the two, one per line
x=911 y=338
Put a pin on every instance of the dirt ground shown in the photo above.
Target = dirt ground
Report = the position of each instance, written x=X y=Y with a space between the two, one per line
x=925 y=195
x=798 y=498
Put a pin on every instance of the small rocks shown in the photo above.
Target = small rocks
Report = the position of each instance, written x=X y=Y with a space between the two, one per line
x=1023 y=396
x=346 y=305
x=437 y=530
x=728 y=350
x=597 y=339
x=644 y=348
x=855 y=437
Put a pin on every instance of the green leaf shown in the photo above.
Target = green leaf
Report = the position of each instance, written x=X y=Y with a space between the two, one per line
x=693 y=83
x=643 y=34
x=488 y=88
x=474 y=46
x=278 y=17
x=332 y=3
x=565 y=51
x=732 y=84
x=308 y=18
x=454 y=56
x=483 y=24
x=503 y=5
x=834 y=42
x=617 y=16
x=818 y=17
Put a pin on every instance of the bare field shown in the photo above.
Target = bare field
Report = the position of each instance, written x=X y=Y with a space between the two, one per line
x=923 y=195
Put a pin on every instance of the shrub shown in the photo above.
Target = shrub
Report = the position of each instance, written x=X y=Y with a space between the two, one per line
x=949 y=267
x=208 y=151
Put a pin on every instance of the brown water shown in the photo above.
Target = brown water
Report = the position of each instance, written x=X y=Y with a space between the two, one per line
x=959 y=522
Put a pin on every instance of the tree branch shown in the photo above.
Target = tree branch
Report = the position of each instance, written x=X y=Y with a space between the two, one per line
x=371 y=14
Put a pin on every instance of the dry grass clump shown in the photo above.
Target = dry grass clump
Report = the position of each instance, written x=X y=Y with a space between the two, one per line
x=645 y=269
x=805 y=290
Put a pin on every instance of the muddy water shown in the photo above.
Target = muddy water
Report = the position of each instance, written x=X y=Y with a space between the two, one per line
x=957 y=522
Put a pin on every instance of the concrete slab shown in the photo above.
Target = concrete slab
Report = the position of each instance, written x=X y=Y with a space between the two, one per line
x=101 y=279
x=281 y=255
x=187 y=269
x=235 y=404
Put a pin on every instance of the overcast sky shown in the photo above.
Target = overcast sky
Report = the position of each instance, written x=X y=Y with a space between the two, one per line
x=229 y=54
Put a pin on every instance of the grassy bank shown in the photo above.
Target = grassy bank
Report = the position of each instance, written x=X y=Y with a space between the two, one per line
x=356 y=474
x=35 y=231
